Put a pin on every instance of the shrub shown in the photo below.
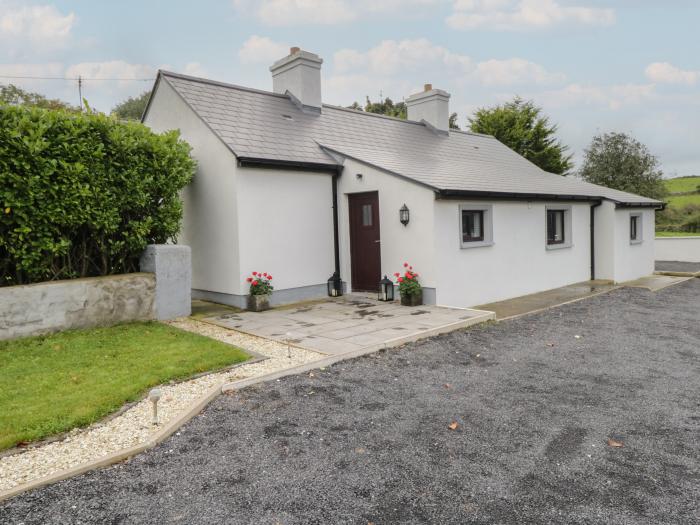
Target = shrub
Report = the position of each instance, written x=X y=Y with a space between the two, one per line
x=82 y=194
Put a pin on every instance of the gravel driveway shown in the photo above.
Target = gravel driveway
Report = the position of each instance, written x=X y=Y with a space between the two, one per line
x=535 y=400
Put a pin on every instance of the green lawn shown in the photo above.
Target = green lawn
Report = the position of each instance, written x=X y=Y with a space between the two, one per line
x=682 y=184
x=679 y=201
x=677 y=234
x=54 y=383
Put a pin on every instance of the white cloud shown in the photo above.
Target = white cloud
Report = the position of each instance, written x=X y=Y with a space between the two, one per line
x=322 y=12
x=194 y=69
x=523 y=14
x=612 y=97
x=665 y=73
x=37 y=28
x=514 y=71
x=113 y=69
x=392 y=57
x=261 y=50
x=411 y=58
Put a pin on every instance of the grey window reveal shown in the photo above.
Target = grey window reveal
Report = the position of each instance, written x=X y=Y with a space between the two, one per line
x=366 y=215
x=555 y=226
x=472 y=225
x=634 y=227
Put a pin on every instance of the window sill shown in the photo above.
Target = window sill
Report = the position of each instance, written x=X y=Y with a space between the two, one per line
x=558 y=246
x=476 y=244
x=640 y=241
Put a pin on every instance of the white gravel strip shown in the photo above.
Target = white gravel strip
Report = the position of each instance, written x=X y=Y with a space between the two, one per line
x=134 y=427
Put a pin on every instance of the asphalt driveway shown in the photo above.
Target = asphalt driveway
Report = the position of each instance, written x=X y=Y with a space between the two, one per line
x=535 y=400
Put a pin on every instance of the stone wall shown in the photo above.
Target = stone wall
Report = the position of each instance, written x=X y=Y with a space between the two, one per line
x=162 y=291
x=42 y=308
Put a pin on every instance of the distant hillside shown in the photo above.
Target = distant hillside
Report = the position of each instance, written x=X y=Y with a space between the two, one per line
x=682 y=214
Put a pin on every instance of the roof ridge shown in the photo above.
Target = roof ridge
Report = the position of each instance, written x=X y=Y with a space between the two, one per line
x=221 y=84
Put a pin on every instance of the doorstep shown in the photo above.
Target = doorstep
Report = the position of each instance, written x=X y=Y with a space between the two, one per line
x=350 y=324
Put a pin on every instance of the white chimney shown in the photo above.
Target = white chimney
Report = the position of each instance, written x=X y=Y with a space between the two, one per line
x=300 y=74
x=432 y=106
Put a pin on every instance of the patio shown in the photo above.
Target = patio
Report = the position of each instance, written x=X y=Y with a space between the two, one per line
x=348 y=324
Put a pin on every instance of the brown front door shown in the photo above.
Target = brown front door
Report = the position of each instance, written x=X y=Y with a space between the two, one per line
x=365 y=258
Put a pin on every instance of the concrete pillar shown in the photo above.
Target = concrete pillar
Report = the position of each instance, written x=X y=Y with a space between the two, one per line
x=172 y=265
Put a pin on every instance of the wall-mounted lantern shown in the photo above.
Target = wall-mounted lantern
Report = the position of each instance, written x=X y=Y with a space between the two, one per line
x=404 y=215
x=335 y=285
x=386 y=289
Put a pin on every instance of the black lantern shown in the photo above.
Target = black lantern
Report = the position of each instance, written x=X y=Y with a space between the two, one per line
x=404 y=215
x=386 y=289
x=335 y=285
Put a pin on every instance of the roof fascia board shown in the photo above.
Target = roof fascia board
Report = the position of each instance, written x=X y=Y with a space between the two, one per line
x=150 y=97
x=657 y=205
x=504 y=195
x=255 y=162
x=228 y=147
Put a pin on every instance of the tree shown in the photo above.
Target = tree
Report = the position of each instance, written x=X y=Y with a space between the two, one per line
x=520 y=125
x=387 y=107
x=132 y=108
x=619 y=161
x=12 y=95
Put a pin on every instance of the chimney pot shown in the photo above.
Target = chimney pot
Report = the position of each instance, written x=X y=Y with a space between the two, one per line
x=294 y=49
x=427 y=87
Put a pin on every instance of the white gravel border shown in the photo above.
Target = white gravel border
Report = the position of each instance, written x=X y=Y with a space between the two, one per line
x=133 y=427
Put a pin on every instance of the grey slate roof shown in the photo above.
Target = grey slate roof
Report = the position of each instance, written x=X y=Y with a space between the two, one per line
x=268 y=126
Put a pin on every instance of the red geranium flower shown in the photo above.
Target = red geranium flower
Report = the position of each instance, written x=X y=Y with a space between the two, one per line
x=255 y=283
x=269 y=277
x=255 y=273
x=400 y=279
x=408 y=276
x=397 y=274
x=249 y=279
x=405 y=265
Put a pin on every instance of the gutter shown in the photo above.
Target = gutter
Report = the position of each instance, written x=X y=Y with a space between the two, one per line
x=657 y=205
x=592 y=224
x=458 y=194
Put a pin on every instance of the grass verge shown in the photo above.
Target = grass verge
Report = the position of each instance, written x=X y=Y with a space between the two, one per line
x=677 y=234
x=51 y=384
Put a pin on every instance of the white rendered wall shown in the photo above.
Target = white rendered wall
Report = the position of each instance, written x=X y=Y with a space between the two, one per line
x=413 y=243
x=605 y=241
x=210 y=208
x=518 y=263
x=633 y=260
x=286 y=226
x=684 y=249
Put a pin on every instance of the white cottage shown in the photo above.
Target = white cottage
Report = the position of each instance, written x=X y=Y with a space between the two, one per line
x=304 y=190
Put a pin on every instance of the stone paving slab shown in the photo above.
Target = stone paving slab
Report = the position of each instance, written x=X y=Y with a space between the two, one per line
x=350 y=323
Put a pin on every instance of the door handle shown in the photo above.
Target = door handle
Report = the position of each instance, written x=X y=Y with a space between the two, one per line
x=378 y=240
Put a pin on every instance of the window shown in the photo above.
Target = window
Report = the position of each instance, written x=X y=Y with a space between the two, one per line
x=556 y=222
x=472 y=225
x=475 y=225
x=366 y=215
x=635 y=228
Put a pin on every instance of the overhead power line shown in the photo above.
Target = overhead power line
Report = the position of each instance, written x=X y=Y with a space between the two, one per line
x=75 y=79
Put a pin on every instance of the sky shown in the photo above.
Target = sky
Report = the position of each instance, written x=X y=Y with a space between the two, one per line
x=593 y=65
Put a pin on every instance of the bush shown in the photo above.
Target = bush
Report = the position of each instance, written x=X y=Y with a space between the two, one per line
x=83 y=194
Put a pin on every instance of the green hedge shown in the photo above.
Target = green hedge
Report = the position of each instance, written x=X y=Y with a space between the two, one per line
x=82 y=194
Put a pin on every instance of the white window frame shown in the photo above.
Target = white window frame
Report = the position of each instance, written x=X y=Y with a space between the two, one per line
x=566 y=208
x=640 y=227
x=487 y=226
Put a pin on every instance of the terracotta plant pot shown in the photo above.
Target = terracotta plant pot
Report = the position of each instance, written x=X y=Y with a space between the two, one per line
x=258 y=303
x=412 y=300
